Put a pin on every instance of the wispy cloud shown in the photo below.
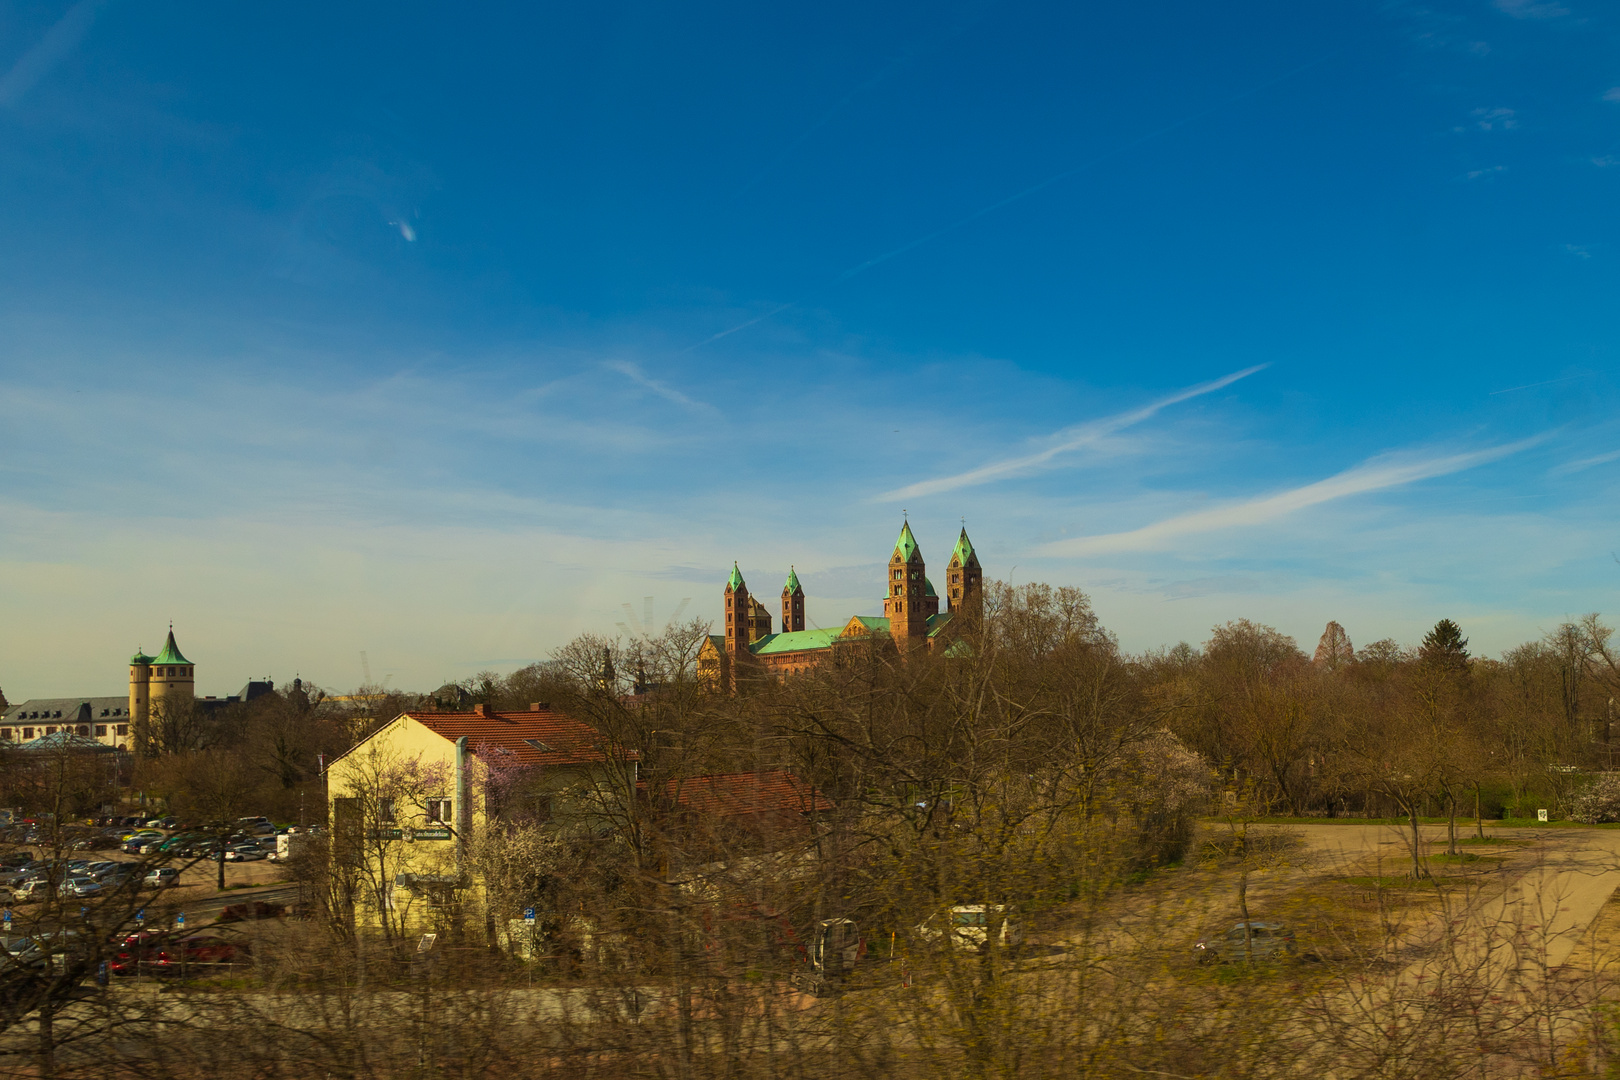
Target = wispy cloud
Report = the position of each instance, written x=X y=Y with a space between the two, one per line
x=1491 y=120
x=1070 y=438
x=663 y=390
x=1378 y=474
x=1612 y=94
x=60 y=40
x=1584 y=463
x=1532 y=9
x=1480 y=174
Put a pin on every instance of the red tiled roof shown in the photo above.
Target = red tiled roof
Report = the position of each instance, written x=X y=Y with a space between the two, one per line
x=533 y=737
x=735 y=794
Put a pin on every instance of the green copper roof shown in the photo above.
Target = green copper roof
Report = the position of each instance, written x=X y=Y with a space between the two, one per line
x=928 y=587
x=170 y=653
x=906 y=546
x=963 y=551
x=734 y=582
x=794 y=641
x=140 y=657
x=936 y=623
x=792 y=584
x=873 y=623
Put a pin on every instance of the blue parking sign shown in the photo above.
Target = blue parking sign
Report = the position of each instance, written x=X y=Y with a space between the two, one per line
x=528 y=915
x=180 y=921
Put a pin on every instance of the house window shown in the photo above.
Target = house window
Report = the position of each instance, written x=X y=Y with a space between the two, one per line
x=439 y=810
x=5 y=733
x=84 y=729
x=101 y=729
x=385 y=809
x=123 y=729
x=50 y=731
x=346 y=819
x=28 y=733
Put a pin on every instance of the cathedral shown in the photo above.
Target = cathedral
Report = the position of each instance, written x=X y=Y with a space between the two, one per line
x=911 y=617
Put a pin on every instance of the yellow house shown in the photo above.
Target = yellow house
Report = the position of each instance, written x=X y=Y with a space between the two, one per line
x=409 y=800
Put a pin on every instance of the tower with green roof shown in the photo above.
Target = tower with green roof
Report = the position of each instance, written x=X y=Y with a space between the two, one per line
x=792 y=603
x=737 y=612
x=964 y=579
x=906 y=602
x=165 y=683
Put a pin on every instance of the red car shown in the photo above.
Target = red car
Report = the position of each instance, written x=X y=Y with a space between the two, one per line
x=136 y=949
x=199 y=950
x=157 y=953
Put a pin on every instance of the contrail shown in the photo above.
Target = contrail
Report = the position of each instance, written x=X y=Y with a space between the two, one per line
x=1072 y=438
x=60 y=40
x=1025 y=193
x=1375 y=475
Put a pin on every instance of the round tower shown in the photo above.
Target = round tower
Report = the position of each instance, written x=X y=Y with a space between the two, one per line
x=173 y=681
x=140 y=689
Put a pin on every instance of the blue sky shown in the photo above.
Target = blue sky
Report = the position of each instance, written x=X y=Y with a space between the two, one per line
x=443 y=334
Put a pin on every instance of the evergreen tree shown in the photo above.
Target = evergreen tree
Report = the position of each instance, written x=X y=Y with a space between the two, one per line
x=1445 y=647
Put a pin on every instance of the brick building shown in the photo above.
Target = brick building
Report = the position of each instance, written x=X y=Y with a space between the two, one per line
x=911 y=616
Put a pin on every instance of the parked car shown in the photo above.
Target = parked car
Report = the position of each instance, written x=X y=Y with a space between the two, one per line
x=161 y=877
x=32 y=889
x=970 y=926
x=1266 y=941
x=256 y=909
x=81 y=886
x=19 y=874
x=161 y=823
x=244 y=853
x=99 y=870
x=134 y=950
x=174 y=957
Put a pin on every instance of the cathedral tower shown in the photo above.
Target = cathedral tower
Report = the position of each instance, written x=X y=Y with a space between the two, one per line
x=738 y=613
x=964 y=580
x=906 y=604
x=792 y=603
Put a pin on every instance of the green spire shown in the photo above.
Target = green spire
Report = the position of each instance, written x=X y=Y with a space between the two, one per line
x=140 y=657
x=906 y=546
x=735 y=581
x=928 y=587
x=964 y=548
x=170 y=653
x=792 y=584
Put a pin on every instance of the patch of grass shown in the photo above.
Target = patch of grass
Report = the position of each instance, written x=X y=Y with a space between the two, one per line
x=1463 y=857
x=1498 y=841
x=1495 y=823
x=1387 y=881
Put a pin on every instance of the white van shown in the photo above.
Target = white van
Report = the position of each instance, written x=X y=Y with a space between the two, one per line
x=971 y=925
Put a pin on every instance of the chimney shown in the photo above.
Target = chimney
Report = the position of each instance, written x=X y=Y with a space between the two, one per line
x=540 y=706
x=481 y=709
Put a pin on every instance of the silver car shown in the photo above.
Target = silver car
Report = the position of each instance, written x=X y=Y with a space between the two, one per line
x=81 y=886
x=1252 y=940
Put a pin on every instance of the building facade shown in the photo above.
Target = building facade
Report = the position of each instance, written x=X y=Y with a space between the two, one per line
x=911 y=616
x=157 y=684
